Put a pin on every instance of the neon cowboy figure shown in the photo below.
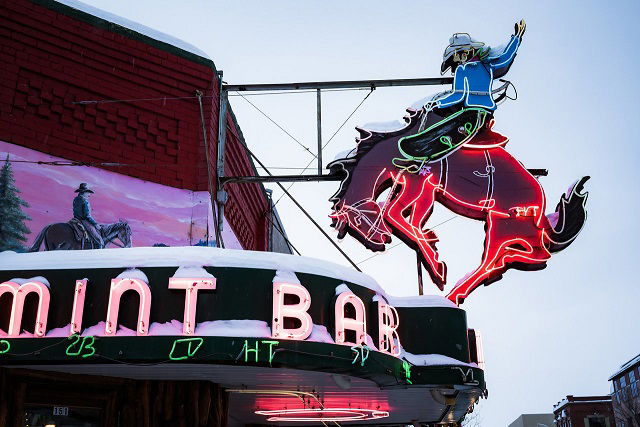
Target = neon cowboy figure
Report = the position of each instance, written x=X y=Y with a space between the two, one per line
x=455 y=117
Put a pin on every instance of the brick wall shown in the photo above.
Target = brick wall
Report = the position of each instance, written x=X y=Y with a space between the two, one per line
x=52 y=57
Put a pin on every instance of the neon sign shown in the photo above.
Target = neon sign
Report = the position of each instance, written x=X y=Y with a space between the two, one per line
x=357 y=324
x=191 y=287
x=449 y=153
x=20 y=292
x=350 y=313
x=323 y=414
x=296 y=311
x=119 y=287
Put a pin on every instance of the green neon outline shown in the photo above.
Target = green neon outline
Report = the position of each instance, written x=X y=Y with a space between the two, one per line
x=470 y=131
x=68 y=351
x=407 y=371
x=89 y=346
x=83 y=346
x=359 y=350
x=271 y=352
x=246 y=350
x=190 y=352
x=8 y=344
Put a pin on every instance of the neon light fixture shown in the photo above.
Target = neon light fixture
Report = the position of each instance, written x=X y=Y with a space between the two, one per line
x=119 y=287
x=20 y=293
x=191 y=287
x=358 y=323
x=388 y=322
x=78 y=306
x=296 y=311
x=323 y=414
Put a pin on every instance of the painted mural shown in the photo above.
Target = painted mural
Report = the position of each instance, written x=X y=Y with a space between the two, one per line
x=48 y=205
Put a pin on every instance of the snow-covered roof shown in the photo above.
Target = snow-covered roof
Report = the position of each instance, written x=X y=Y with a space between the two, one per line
x=626 y=366
x=134 y=26
x=190 y=257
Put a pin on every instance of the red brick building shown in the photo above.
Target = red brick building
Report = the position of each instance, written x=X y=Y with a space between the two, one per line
x=625 y=394
x=584 y=411
x=102 y=91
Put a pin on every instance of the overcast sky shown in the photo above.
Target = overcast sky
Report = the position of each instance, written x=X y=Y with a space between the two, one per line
x=547 y=334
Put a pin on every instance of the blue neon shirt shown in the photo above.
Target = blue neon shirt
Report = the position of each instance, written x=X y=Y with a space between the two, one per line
x=472 y=81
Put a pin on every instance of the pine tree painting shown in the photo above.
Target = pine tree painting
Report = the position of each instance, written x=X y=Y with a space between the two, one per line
x=13 y=230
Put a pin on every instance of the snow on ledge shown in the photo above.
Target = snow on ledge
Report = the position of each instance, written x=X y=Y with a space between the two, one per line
x=421 y=301
x=134 y=26
x=191 y=260
x=433 y=360
x=186 y=256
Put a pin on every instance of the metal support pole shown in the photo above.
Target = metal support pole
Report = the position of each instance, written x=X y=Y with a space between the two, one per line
x=221 y=195
x=319 y=108
x=420 y=284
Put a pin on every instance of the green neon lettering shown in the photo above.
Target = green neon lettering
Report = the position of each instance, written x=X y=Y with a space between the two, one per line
x=192 y=344
x=407 y=371
x=7 y=346
x=271 y=352
x=86 y=343
x=76 y=339
x=248 y=350
x=361 y=352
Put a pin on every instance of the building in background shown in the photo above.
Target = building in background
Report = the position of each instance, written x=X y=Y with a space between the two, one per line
x=625 y=394
x=533 y=420
x=584 y=411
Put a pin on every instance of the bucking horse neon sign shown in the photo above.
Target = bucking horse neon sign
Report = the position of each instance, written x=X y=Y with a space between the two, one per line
x=449 y=153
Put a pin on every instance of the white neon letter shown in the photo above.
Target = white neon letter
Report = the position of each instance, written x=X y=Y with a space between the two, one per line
x=357 y=324
x=388 y=321
x=295 y=311
x=119 y=287
x=78 y=307
x=192 y=286
x=19 y=293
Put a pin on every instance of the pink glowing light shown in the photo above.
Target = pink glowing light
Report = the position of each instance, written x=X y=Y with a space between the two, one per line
x=323 y=414
x=388 y=322
x=357 y=324
x=20 y=293
x=119 y=287
x=78 y=307
x=191 y=286
x=295 y=311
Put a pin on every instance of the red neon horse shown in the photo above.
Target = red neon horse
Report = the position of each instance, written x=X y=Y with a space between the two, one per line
x=479 y=181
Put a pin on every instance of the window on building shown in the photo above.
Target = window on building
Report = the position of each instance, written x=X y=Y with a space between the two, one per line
x=634 y=389
x=623 y=381
x=632 y=377
x=596 y=422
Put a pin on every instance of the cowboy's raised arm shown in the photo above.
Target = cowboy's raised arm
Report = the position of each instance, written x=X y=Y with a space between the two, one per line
x=505 y=59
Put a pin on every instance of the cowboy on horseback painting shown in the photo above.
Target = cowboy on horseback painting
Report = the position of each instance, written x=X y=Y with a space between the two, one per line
x=82 y=214
x=450 y=155
x=82 y=231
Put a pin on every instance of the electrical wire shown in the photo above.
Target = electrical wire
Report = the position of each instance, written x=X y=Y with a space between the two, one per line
x=330 y=139
x=304 y=211
x=279 y=126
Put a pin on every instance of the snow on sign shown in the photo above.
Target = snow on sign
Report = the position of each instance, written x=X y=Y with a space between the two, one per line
x=448 y=152
x=181 y=301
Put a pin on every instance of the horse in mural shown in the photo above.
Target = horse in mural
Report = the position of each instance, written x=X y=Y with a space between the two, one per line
x=62 y=236
x=381 y=195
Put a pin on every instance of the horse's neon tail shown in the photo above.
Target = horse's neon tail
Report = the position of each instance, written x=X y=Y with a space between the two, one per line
x=568 y=219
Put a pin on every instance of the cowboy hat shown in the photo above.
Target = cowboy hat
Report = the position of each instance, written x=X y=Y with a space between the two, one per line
x=83 y=188
x=460 y=41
